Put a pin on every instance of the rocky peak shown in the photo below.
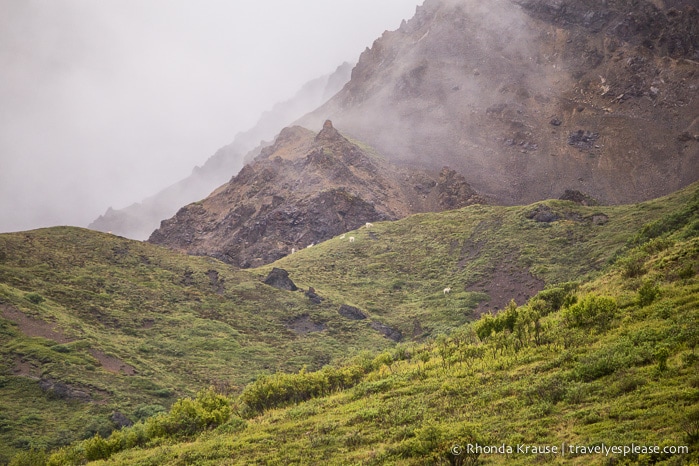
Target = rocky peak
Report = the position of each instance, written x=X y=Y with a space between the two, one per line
x=302 y=190
x=329 y=133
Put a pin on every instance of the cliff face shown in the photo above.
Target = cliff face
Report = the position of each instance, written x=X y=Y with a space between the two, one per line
x=304 y=189
x=529 y=98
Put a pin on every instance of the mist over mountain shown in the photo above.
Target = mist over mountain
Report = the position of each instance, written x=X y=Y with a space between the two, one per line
x=529 y=98
x=363 y=290
x=106 y=103
x=524 y=100
x=304 y=189
x=138 y=220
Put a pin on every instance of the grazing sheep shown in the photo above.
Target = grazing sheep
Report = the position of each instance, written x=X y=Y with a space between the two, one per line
x=342 y=237
x=293 y=250
x=309 y=246
x=447 y=290
x=351 y=239
x=369 y=225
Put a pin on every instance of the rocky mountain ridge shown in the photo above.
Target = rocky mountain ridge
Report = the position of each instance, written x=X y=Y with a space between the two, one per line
x=529 y=98
x=304 y=189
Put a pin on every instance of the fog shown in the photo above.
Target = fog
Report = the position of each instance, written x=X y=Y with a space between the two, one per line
x=105 y=103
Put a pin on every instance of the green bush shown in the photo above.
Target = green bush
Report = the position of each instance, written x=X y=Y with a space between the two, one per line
x=283 y=389
x=97 y=448
x=610 y=359
x=505 y=320
x=146 y=411
x=34 y=298
x=186 y=418
x=661 y=356
x=633 y=265
x=686 y=272
x=591 y=312
x=554 y=298
x=522 y=323
x=674 y=221
x=647 y=293
x=189 y=416
x=31 y=457
x=550 y=390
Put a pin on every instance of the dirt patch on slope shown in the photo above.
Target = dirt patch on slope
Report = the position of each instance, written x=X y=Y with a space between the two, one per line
x=26 y=369
x=303 y=325
x=507 y=281
x=112 y=364
x=33 y=327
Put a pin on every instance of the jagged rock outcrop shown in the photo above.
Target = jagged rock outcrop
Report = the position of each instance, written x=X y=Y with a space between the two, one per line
x=304 y=189
x=529 y=98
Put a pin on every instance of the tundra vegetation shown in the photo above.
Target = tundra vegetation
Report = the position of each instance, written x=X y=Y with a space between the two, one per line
x=603 y=351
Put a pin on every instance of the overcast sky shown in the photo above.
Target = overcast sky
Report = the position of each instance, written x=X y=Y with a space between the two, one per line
x=105 y=102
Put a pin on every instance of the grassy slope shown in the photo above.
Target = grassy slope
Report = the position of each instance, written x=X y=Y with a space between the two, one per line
x=150 y=308
x=630 y=375
x=396 y=271
x=140 y=304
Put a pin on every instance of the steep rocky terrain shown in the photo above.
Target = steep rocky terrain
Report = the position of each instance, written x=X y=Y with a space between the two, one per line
x=304 y=189
x=529 y=98
x=140 y=219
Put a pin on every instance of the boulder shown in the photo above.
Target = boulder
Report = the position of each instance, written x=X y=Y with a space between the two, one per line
x=279 y=278
x=387 y=331
x=351 y=312
x=120 y=420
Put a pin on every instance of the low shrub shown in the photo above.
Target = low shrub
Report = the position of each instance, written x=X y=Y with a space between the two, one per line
x=591 y=312
x=647 y=293
x=186 y=418
x=34 y=298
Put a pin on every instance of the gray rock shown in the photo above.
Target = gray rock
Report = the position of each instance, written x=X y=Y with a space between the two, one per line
x=351 y=312
x=279 y=278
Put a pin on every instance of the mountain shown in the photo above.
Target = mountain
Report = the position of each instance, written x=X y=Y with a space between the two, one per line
x=606 y=361
x=302 y=190
x=426 y=317
x=529 y=98
x=140 y=219
x=522 y=100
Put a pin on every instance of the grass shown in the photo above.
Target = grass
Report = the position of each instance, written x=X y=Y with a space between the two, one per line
x=151 y=309
x=634 y=380
x=182 y=328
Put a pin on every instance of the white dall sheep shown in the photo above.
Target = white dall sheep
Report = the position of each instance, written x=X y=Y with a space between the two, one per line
x=342 y=237
x=351 y=239
x=369 y=225
x=447 y=290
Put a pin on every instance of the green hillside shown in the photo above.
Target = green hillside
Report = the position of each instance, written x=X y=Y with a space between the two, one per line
x=104 y=324
x=107 y=324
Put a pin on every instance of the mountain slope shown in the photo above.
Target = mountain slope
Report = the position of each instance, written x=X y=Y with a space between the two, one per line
x=305 y=189
x=603 y=372
x=530 y=98
x=139 y=220
x=93 y=324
